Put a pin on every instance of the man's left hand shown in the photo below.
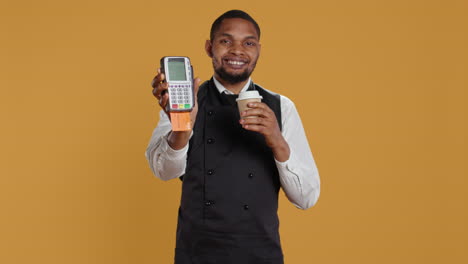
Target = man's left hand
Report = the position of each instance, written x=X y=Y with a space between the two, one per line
x=260 y=118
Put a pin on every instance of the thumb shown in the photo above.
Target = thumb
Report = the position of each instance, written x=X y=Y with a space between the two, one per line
x=196 y=85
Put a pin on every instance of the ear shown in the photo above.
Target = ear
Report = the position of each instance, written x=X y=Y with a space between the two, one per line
x=208 y=48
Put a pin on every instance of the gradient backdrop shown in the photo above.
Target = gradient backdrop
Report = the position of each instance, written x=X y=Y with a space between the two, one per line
x=381 y=87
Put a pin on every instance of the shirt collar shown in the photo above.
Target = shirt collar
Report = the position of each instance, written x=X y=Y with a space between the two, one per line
x=222 y=89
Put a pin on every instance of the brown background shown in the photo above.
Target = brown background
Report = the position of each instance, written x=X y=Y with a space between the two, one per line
x=381 y=87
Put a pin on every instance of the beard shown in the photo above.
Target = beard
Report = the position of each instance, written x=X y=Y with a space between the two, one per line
x=234 y=78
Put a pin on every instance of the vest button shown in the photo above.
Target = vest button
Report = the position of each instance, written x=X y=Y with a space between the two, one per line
x=210 y=141
x=246 y=207
x=210 y=172
x=209 y=203
x=251 y=175
x=211 y=112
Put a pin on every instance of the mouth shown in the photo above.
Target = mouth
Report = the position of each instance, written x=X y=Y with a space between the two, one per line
x=235 y=63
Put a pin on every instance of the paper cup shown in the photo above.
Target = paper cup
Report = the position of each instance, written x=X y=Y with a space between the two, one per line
x=247 y=97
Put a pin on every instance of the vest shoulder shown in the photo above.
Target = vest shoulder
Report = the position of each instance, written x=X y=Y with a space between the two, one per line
x=284 y=99
x=266 y=91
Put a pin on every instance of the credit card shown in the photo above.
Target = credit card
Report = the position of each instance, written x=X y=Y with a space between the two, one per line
x=181 y=121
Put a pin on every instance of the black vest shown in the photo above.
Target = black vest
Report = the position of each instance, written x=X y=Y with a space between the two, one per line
x=228 y=210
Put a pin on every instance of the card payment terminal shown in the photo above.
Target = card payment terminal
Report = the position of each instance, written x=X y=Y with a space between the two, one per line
x=179 y=76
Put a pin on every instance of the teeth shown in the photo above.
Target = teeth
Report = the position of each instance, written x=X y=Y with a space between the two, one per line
x=236 y=62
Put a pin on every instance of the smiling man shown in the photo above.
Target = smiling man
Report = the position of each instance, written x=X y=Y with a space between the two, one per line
x=233 y=165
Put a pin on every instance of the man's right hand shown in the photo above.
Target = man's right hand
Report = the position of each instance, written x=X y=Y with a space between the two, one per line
x=176 y=139
x=160 y=90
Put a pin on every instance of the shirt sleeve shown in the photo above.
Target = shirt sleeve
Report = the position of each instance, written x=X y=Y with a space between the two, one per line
x=165 y=162
x=299 y=176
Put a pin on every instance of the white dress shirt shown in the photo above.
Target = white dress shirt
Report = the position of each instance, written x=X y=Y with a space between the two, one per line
x=298 y=175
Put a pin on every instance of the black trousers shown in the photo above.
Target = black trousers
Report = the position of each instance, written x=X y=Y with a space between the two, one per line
x=225 y=257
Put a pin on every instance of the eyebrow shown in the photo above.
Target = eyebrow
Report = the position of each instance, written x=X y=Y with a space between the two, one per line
x=231 y=36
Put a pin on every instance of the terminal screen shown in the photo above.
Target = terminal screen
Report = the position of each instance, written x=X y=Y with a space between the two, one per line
x=177 y=69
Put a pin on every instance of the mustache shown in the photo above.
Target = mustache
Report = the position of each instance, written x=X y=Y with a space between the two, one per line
x=234 y=78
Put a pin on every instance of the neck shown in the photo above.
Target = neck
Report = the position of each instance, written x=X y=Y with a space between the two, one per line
x=235 y=88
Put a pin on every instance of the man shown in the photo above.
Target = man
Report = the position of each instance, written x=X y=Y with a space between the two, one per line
x=233 y=166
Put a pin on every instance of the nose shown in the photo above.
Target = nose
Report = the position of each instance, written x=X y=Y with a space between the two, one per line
x=237 y=48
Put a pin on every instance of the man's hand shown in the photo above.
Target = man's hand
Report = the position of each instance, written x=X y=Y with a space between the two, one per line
x=176 y=139
x=160 y=92
x=260 y=118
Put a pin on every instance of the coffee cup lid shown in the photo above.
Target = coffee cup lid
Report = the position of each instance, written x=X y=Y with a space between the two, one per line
x=249 y=95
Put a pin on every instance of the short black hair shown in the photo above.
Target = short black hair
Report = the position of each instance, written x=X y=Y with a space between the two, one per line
x=232 y=14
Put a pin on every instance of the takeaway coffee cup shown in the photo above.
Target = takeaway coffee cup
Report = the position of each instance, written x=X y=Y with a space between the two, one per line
x=247 y=97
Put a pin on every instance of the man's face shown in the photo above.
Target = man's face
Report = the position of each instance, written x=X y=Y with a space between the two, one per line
x=234 y=50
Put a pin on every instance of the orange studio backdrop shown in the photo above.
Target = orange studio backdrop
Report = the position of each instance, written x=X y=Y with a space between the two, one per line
x=381 y=87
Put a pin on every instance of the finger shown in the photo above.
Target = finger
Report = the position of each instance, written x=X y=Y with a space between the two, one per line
x=163 y=101
x=255 y=128
x=159 y=78
x=253 y=121
x=258 y=105
x=256 y=112
x=259 y=109
x=160 y=90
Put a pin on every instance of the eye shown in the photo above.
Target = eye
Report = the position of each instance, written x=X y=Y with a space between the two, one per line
x=225 y=41
x=250 y=43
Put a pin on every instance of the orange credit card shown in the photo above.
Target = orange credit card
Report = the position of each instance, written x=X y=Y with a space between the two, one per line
x=181 y=121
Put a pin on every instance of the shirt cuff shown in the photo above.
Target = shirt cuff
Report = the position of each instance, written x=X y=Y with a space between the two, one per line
x=173 y=154
x=288 y=165
x=281 y=164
